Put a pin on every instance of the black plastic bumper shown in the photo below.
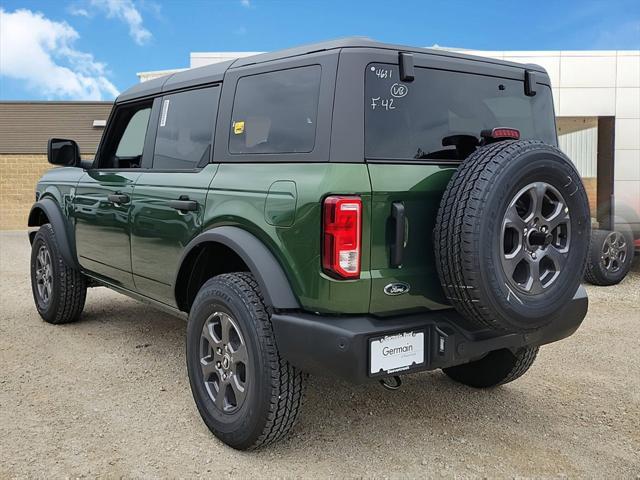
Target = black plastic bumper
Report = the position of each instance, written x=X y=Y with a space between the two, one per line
x=339 y=346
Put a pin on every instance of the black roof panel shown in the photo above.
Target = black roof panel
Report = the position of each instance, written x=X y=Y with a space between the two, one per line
x=215 y=72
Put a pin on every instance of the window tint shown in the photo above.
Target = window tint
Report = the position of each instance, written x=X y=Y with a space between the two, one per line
x=416 y=120
x=276 y=112
x=125 y=136
x=132 y=140
x=185 y=129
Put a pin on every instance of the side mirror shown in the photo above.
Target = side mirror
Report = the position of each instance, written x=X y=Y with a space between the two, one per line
x=63 y=152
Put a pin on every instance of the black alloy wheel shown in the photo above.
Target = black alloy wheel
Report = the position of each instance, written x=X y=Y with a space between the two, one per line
x=536 y=235
x=614 y=252
x=224 y=361
x=44 y=275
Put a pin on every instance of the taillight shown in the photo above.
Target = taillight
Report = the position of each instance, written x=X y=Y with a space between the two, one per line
x=342 y=229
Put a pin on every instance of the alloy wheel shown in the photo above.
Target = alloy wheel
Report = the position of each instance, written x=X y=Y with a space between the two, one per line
x=44 y=274
x=535 y=239
x=614 y=252
x=224 y=362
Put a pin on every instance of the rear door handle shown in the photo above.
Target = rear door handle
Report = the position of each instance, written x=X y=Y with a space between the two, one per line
x=184 y=204
x=397 y=248
x=118 y=198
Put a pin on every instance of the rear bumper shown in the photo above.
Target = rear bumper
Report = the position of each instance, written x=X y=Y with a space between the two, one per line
x=339 y=346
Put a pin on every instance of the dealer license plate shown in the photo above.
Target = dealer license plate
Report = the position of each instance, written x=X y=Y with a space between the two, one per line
x=395 y=353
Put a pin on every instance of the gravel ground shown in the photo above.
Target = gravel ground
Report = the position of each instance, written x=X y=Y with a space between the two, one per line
x=109 y=397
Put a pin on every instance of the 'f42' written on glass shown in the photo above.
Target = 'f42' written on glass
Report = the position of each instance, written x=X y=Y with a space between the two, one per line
x=382 y=103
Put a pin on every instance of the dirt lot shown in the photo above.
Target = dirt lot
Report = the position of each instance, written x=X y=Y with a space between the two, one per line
x=109 y=397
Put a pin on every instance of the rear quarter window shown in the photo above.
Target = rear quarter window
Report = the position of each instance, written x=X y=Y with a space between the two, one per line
x=276 y=112
x=412 y=120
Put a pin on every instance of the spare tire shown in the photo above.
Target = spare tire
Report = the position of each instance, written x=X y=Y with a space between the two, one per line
x=512 y=235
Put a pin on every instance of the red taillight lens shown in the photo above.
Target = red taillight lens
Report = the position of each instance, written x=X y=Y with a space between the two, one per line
x=342 y=227
x=502 y=132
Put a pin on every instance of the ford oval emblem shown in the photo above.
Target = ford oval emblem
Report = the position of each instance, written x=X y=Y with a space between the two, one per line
x=397 y=288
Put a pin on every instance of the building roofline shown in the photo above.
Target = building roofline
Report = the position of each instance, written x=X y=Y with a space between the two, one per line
x=168 y=71
x=61 y=102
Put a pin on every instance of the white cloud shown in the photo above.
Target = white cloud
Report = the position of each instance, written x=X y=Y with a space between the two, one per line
x=127 y=12
x=245 y=3
x=78 y=12
x=40 y=52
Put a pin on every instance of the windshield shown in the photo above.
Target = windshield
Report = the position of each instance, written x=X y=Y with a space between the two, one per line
x=440 y=114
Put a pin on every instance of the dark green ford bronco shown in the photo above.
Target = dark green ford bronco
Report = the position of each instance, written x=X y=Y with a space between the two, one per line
x=348 y=208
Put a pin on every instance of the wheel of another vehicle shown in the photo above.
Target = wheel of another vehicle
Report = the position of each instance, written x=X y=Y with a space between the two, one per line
x=59 y=290
x=512 y=235
x=610 y=257
x=246 y=394
x=496 y=368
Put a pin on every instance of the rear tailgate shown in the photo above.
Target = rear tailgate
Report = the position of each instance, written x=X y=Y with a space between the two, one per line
x=416 y=134
x=418 y=189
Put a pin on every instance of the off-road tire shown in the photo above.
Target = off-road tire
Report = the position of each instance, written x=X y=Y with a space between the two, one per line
x=68 y=285
x=468 y=228
x=496 y=368
x=274 y=396
x=596 y=272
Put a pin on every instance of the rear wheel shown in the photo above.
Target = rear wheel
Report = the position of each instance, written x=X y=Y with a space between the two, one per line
x=59 y=290
x=496 y=368
x=512 y=235
x=610 y=257
x=246 y=394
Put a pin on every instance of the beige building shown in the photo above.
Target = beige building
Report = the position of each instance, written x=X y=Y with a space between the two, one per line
x=25 y=128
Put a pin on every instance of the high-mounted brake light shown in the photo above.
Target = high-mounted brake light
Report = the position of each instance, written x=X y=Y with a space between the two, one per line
x=501 y=132
x=342 y=229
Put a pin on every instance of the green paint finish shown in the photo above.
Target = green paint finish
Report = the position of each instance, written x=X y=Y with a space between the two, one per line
x=138 y=245
x=159 y=233
x=102 y=227
x=238 y=195
x=280 y=204
x=419 y=188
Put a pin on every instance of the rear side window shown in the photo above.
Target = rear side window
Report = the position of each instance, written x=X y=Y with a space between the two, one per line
x=429 y=117
x=185 y=129
x=276 y=112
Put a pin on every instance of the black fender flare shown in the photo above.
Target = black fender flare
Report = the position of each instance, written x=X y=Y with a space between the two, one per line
x=52 y=210
x=264 y=266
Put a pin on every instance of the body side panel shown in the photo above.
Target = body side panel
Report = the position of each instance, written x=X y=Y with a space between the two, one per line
x=238 y=196
x=160 y=233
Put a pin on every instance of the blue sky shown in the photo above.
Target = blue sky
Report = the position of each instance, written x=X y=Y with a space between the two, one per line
x=92 y=49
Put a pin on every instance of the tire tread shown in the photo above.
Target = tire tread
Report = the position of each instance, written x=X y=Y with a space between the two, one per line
x=72 y=283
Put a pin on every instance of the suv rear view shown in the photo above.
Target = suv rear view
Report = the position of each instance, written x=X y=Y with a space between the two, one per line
x=350 y=208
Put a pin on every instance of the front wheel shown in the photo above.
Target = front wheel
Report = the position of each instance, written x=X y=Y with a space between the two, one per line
x=59 y=290
x=246 y=394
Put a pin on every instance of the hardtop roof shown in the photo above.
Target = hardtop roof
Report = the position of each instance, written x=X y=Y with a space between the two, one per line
x=215 y=72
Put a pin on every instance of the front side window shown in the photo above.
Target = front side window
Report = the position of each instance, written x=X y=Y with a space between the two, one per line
x=125 y=141
x=132 y=142
x=185 y=129
x=276 y=112
x=437 y=114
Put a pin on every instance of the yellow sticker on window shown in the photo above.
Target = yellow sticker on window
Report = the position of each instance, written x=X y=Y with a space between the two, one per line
x=238 y=127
